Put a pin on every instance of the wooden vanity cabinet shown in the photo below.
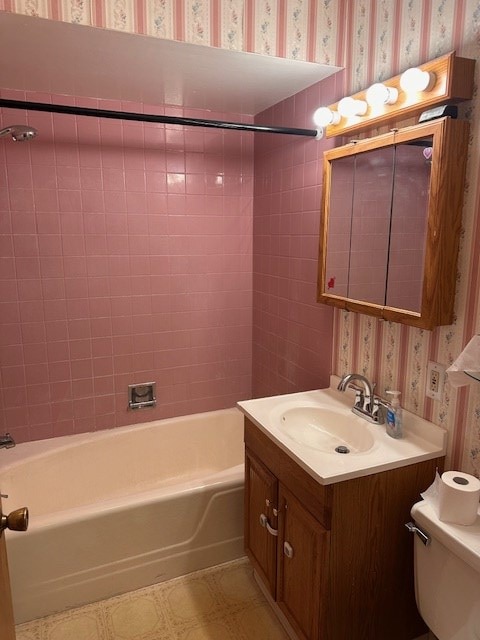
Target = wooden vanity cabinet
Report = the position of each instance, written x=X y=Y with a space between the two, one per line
x=337 y=559
x=286 y=545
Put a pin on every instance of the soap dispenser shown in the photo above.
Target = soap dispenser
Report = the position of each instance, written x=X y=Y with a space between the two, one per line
x=394 y=416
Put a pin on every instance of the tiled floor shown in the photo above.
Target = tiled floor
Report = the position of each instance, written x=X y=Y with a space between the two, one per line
x=220 y=603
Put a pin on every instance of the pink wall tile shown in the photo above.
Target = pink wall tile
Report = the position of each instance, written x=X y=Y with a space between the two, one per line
x=100 y=218
x=292 y=333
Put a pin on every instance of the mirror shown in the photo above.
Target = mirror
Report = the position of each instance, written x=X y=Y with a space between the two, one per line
x=391 y=215
x=382 y=195
x=408 y=231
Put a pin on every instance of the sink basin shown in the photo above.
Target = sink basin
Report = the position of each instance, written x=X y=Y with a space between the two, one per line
x=310 y=425
x=326 y=429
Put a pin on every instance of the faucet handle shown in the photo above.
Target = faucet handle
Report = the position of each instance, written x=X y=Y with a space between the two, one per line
x=362 y=400
x=378 y=410
x=7 y=441
x=359 y=399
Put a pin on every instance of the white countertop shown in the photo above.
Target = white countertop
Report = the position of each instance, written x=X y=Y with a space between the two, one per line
x=422 y=440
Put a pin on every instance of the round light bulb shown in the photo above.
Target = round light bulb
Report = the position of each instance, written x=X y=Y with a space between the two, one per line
x=348 y=107
x=415 y=79
x=325 y=116
x=379 y=94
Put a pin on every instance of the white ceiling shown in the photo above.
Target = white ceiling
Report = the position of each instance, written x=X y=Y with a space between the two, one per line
x=58 y=57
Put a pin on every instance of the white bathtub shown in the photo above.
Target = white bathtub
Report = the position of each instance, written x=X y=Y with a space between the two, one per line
x=117 y=510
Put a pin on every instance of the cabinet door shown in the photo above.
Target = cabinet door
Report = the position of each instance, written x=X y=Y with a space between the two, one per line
x=302 y=566
x=260 y=521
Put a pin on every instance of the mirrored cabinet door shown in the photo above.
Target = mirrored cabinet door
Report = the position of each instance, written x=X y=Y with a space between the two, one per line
x=371 y=213
x=340 y=227
x=408 y=235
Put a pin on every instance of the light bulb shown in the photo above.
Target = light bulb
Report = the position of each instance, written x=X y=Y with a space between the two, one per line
x=415 y=79
x=379 y=94
x=348 y=107
x=325 y=116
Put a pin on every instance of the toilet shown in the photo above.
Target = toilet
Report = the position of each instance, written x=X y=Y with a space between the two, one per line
x=447 y=574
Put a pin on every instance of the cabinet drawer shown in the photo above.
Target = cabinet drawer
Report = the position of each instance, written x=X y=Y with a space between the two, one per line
x=316 y=498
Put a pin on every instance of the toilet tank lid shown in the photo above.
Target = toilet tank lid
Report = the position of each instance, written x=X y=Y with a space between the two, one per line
x=462 y=540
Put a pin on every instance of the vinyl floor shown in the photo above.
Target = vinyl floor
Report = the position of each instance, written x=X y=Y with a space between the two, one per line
x=219 y=603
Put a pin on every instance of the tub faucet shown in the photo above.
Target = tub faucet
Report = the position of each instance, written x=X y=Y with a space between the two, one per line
x=6 y=441
x=366 y=404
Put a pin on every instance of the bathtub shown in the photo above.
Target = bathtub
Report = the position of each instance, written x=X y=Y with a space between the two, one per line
x=121 y=509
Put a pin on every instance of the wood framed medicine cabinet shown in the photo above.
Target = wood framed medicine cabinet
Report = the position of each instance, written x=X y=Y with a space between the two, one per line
x=390 y=223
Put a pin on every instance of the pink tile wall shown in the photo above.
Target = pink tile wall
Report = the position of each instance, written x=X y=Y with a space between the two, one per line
x=292 y=333
x=126 y=252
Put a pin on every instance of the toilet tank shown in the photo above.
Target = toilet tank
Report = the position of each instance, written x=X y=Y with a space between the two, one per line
x=447 y=575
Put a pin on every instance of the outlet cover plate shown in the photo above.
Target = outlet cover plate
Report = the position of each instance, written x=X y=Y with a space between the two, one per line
x=435 y=379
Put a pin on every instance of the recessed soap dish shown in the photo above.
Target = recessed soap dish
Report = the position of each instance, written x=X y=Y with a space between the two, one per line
x=142 y=396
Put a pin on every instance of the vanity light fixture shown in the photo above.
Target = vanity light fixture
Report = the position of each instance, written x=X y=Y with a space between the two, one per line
x=447 y=80
x=379 y=94
x=325 y=116
x=349 y=107
x=415 y=80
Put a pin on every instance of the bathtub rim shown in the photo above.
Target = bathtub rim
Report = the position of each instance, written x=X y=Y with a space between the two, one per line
x=35 y=449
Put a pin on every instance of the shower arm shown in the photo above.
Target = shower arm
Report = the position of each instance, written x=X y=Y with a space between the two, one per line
x=161 y=119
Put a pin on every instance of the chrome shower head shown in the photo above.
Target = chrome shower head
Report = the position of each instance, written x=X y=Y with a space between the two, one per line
x=19 y=132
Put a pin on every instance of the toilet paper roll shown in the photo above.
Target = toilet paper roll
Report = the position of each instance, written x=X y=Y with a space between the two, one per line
x=459 y=494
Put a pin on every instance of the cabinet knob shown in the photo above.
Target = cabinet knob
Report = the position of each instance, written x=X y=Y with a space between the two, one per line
x=288 y=549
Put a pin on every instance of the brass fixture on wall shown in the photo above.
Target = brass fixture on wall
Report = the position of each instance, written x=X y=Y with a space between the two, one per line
x=15 y=521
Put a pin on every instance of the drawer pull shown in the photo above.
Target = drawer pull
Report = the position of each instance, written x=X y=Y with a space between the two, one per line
x=288 y=549
x=265 y=523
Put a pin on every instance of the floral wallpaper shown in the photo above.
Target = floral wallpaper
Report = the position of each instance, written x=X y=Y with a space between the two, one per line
x=373 y=39
x=298 y=29
x=387 y=37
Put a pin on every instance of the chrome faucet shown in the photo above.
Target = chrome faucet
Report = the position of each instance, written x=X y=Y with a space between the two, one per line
x=367 y=405
x=6 y=441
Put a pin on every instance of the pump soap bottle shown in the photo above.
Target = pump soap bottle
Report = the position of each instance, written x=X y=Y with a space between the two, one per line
x=394 y=416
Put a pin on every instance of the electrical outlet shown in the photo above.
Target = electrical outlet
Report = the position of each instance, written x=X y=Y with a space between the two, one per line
x=435 y=378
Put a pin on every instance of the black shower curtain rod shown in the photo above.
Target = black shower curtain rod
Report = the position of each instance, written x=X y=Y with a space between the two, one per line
x=145 y=117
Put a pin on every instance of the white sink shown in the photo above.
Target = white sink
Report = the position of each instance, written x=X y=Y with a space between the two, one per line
x=326 y=429
x=310 y=425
